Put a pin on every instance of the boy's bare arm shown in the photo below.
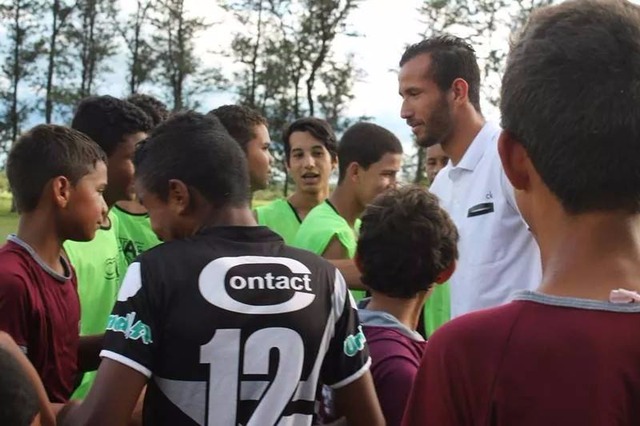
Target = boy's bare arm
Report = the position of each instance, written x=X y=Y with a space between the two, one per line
x=358 y=402
x=110 y=401
x=350 y=272
x=89 y=352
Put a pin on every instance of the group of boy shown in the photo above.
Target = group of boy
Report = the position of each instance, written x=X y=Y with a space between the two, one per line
x=224 y=323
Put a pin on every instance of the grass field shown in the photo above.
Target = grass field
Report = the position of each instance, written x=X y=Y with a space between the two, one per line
x=9 y=221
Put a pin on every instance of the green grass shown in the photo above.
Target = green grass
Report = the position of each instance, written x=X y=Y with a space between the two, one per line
x=8 y=220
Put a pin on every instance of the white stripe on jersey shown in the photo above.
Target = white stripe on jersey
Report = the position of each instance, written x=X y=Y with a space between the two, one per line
x=126 y=361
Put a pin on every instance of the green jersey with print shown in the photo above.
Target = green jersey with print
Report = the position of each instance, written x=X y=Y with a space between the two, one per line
x=99 y=268
x=134 y=233
x=320 y=226
x=281 y=218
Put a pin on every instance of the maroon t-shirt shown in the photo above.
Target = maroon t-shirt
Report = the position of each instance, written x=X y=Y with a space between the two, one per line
x=394 y=363
x=539 y=360
x=40 y=309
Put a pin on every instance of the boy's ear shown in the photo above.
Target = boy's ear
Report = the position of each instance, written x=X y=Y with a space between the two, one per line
x=514 y=160
x=179 y=197
x=353 y=171
x=444 y=276
x=61 y=188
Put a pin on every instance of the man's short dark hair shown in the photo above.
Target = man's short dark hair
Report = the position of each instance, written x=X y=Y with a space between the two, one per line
x=571 y=96
x=206 y=159
x=319 y=129
x=155 y=109
x=107 y=120
x=365 y=144
x=18 y=397
x=43 y=153
x=451 y=58
x=406 y=241
x=240 y=121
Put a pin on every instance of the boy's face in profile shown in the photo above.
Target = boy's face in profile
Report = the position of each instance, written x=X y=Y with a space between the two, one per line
x=167 y=216
x=379 y=177
x=259 y=158
x=86 y=208
x=121 y=169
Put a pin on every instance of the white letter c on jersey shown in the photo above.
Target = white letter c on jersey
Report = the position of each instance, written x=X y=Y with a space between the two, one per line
x=212 y=285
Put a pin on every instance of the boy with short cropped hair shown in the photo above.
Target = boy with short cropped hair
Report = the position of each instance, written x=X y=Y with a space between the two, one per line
x=57 y=176
x=117 y=127
x=567 y=353
x=225 y=323
x=133 y=226
x=249 y=129
x=311 y=153
x=369 y=158
x=407 y=243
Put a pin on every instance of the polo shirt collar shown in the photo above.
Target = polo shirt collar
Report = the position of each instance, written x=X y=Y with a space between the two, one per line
x=478 y=146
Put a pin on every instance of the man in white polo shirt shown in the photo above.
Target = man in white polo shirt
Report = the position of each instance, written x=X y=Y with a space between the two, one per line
x=439 y=83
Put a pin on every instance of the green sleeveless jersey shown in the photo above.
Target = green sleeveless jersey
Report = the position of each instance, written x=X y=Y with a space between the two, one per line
x=320 y=226
x=281 y=218
x=437 y=309
x=134 y=233
x=100 y=269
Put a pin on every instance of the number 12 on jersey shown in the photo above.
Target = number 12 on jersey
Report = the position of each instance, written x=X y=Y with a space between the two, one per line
x=224 y=353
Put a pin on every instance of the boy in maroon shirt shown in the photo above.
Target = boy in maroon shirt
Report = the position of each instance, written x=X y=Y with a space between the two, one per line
x=407 y=243
x=569 y=353
x=57 y=176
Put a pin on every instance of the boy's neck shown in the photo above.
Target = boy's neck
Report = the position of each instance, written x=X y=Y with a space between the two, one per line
x=304 y=202
x=38 y=230
x=344 y=201
x=406 y=311
x=588 y=255
x=228 y=216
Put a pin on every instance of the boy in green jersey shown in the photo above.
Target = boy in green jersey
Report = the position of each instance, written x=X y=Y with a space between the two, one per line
x=134 y=228
x=117 y=126
x=369 y=158
x=310 y=148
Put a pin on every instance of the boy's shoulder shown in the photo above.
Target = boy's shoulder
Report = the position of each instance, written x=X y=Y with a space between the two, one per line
x=323 y=218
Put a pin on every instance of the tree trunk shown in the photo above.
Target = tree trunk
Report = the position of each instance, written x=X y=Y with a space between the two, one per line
x=48 y=106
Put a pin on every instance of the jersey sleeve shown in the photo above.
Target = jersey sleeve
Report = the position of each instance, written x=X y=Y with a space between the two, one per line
x=132 y=326
x=348 y=356
x=14 y=308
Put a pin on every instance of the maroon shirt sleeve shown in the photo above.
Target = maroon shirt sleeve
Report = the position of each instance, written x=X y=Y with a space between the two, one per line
x=393 y=378
x=14 y=307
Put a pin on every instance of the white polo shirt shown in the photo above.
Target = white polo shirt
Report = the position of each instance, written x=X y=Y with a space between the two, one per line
x=498 y=254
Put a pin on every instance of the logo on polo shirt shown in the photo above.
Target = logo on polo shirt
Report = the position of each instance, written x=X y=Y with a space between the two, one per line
x=257 y=284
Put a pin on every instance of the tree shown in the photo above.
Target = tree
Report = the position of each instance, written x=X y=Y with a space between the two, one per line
x=56 y=50
x=141 y=62
x=485 y=25
x=180 y=70
x=19 y=67
x=92 y=34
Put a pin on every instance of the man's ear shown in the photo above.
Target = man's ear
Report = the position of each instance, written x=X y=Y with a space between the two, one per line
x=514 y=160
x=460 y=90
x=61 y=188
x=179 y=197
x=444 y=276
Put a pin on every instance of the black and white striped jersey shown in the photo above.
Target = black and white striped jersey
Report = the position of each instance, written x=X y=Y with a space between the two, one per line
x=233 y=327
